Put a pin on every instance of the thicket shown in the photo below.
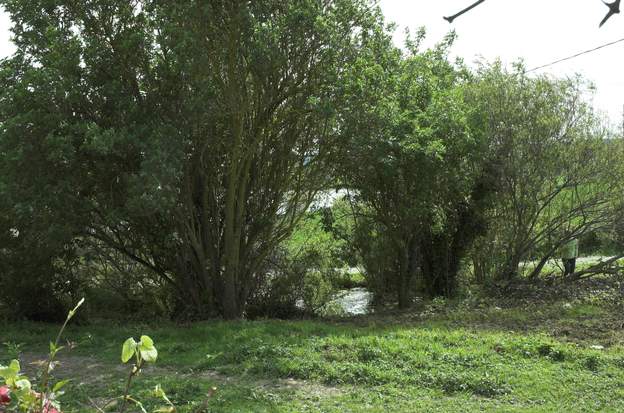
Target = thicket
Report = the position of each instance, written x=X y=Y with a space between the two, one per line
x=166 y=157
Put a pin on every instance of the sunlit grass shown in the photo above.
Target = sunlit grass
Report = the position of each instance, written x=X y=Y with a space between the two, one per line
x=490 y=359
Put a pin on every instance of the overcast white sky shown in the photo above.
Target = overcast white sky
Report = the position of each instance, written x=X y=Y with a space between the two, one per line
x=539 y=31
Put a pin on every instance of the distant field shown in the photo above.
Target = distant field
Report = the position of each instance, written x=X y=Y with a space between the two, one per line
x=566 y=356
x=555 y=265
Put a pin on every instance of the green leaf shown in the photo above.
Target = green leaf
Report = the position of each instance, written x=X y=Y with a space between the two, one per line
x=54 y=349
x=26 y=396
x=11 y=371
x=147 y=341
x=58 y=386
x=158 y=391
x=128 y=350
x=15 y=366
x=149 y=354
x=147 y=350
x=23 y=384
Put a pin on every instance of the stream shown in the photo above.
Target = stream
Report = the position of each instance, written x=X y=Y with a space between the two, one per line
x=354 y=301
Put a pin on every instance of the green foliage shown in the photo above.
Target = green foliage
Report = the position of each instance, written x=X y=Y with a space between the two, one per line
x=349 y=279
x=315 y=252
x=190 y=139
x=163 y=157
x=146 y=349
x=413 y=158
x=34 y=268
x=559 y=170
x=306 y=271
x=128 y=350
x=143 y=352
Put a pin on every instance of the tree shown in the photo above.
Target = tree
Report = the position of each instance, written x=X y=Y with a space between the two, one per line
x=414 y=164
x=189 y=136
x=559 y=169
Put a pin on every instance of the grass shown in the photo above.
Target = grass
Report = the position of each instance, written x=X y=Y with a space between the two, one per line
x=450 y=357
x=555 y=265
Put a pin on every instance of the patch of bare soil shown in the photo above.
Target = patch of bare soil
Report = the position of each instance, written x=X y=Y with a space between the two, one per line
x=88 y=370
x=81 y=369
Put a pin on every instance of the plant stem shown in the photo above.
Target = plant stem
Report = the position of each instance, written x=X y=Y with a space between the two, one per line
x=46 y=372
x=135 y=369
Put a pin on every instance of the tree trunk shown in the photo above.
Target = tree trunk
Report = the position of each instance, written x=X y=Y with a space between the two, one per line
x=409 y=267
x=403 y=292
x=235 y=177
x=230 y=273
x=510 y=268
x=540 y=266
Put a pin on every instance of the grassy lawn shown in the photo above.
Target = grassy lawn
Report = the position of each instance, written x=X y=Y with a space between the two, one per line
x=523 y=356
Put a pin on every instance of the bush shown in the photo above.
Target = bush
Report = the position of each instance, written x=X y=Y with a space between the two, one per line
x=37 y=287
x=377 y=254
x=300 y=277
x=346 y=280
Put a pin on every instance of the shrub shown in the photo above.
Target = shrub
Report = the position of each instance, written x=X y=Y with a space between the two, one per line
x=299 y=278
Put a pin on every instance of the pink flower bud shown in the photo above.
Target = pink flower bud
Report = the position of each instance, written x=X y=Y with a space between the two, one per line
x=5 y=395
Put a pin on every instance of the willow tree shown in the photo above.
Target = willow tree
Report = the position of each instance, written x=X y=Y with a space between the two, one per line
x=188 y=135
x=560 y=169
x=415 y=164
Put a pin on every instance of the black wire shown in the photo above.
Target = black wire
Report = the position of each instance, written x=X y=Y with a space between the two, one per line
x=576 y=55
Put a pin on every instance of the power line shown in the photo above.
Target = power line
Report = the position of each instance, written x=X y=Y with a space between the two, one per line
x=576 y=55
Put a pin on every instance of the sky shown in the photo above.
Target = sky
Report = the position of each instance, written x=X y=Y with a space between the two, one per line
x=538 y=31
